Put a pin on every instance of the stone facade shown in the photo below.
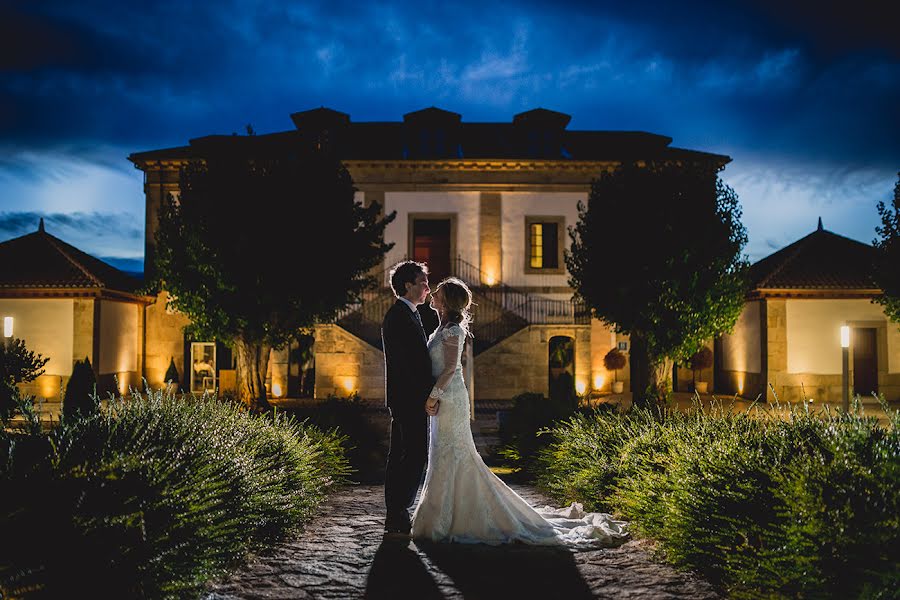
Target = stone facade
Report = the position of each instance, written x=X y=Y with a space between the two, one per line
x=346 y=364
x=163 y=341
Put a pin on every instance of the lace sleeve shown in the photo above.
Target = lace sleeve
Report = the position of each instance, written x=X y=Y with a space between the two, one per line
x=450 y=342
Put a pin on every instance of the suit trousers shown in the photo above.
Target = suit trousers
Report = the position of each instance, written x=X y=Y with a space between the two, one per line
x=407 y=458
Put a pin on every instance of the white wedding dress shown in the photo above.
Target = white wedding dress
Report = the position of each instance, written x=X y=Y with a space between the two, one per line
x=462 y=500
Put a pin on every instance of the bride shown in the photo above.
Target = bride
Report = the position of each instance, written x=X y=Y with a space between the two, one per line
x=463 y=501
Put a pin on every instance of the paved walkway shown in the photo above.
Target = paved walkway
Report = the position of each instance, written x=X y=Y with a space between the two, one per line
x=341 y=555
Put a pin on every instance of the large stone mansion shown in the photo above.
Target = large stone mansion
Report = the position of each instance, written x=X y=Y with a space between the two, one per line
x=491 y=204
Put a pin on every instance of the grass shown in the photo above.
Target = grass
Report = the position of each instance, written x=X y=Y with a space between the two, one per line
x=773 y=502
x=154 y=496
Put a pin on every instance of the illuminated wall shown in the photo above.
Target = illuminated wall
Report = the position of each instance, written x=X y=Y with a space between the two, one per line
x=164 y=341
x=465 y=205
x=118 y=337
x=47 y=326
x=515 y=207
x=813 y=333
x=741 y=348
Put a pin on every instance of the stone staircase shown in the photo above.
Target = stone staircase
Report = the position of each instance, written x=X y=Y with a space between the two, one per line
x=499 y=312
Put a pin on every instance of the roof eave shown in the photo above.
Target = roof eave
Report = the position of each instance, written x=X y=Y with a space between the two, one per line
x=822 y=293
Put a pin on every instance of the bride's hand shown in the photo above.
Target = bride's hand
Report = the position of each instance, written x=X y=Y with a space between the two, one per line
x=431 y=406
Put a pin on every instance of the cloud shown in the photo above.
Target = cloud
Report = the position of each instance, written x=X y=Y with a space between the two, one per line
x=98 y=234
x=781 y=202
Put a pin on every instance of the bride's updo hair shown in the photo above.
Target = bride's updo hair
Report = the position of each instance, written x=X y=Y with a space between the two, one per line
x=457 y=301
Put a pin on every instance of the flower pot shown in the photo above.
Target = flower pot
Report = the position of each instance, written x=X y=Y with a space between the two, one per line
x=701 y=387
x=618 y=387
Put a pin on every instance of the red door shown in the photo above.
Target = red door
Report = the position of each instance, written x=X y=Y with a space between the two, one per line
x=431 y=245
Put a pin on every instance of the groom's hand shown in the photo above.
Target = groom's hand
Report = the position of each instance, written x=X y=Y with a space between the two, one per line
x=431 y=406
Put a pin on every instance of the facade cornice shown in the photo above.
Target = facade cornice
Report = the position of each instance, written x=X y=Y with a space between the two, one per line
x=53 y=292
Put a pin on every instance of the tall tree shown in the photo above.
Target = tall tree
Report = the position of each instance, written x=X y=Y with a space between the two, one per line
x=681 y=277
x=887 y=266
x=263 y=242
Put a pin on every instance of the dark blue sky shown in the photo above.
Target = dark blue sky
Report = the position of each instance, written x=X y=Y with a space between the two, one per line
x=804 y=96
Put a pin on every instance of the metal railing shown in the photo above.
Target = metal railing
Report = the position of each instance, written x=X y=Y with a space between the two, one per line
x=500 y=311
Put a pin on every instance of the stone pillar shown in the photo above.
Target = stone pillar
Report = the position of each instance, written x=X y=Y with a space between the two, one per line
x=774 y=322
x=159 y=182
x=491 y=226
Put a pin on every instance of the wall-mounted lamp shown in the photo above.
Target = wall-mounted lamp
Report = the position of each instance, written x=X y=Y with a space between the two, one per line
x=7 y=327
x=845 y=367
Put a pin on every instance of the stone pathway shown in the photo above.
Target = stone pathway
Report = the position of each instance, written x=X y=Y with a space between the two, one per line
x=341 y=554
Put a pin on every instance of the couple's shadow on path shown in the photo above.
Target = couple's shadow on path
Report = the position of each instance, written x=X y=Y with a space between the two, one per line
x=475 y=571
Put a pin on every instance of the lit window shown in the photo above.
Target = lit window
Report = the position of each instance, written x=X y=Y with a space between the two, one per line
x=537 y=245
x=543 y=245
x=203 y=367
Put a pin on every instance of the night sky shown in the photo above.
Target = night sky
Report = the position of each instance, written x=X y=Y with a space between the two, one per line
x=805 y=97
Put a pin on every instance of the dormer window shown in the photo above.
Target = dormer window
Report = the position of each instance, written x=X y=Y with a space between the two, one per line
x=431 y=133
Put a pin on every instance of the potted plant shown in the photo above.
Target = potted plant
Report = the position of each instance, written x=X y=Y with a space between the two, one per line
x=702 y=359
x=560 y=358
x=613 y=361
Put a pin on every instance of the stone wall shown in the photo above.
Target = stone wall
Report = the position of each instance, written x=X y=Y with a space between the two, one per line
x=164 y=340
x=346 y=364
x=520 y=362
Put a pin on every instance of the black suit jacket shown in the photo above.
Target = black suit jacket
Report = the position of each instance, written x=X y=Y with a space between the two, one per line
x=407 y=364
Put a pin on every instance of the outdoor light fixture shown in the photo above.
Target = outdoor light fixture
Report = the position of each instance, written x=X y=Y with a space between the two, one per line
x=580 y=387
x=7 y=326
x=598 y=381
x=276 y=390
x=845 y=367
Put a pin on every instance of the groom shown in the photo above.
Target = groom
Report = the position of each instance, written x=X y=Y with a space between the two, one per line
x=408 y=382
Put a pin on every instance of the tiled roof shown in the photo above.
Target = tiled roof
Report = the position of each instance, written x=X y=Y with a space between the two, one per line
x=40 y=260
x=433 y=133
x=822 y=260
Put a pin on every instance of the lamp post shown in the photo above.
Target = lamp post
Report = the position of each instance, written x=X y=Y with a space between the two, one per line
x=845 y=367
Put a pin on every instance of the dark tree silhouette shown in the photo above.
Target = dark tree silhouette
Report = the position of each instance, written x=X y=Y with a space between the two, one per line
x=681 y=279
x=80 y=399
x=18 y=364
x=887 y=265
x=264 y=242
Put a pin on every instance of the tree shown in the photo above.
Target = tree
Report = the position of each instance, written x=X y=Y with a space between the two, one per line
x=887 y=272
x=682 y=279
x=18 y=364
x=263 y=242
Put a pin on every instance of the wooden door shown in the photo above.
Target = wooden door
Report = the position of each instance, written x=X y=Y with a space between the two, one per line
x=865 y=361
x=431 y=245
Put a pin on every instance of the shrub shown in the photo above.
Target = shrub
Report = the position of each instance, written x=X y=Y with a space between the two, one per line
x=522 y=427
x=80 y=399
x=364 y=436
x=152 y=497
x=768 y=503
x=613 y=361
x=17 y=365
